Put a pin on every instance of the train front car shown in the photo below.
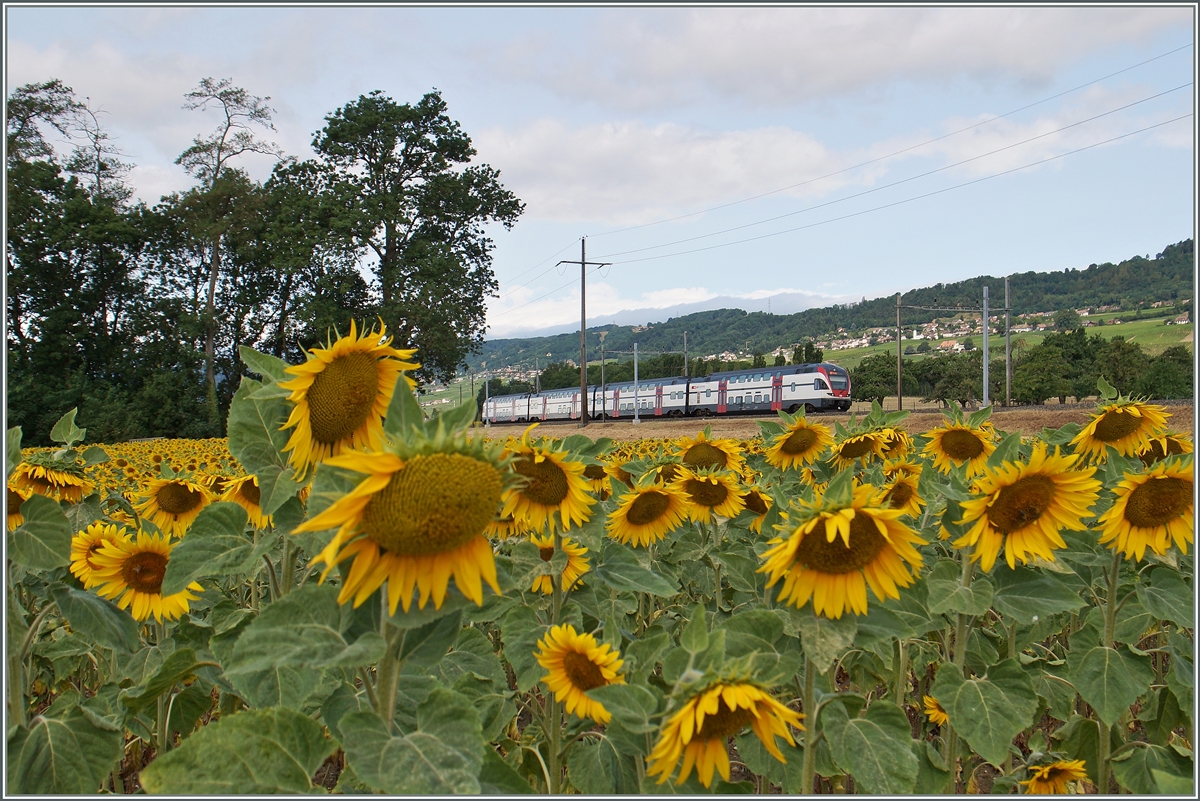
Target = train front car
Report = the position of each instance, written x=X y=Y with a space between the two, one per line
x=838 y=380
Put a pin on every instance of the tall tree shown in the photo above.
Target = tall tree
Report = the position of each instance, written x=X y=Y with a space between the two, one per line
x=396 y=170
x=208 y=161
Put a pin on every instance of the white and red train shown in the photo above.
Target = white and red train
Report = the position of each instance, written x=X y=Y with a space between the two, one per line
x=761 y=390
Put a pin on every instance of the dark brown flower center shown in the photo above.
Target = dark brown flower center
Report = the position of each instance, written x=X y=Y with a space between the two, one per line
x=583 y=672
x=1155 y=452
x=433 y=504
x=14 y=502
x=961 y=445
x=667 y=473
x=594 y=472
x=250 y=493
x=725 y=722
x=706 y=493
x=1022 y=503
x=855 y=448
x=799 y=442
x=144 y=571
x=755 y=503
x=899 y=495
x=1158 y=502
x=648 y=508
x=548 y=483
x=546 y=553
x=1116 y=424
x=178 y=499
x=342 y=396
x=624 y=475
x=817 y=553
x=703 y=454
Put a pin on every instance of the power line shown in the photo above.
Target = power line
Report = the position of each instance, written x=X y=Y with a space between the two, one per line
x=896 y=153
x=534 y=267
x=901 y=181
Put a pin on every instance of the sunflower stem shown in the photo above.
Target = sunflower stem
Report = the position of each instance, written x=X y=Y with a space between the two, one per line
x=1110 y=626
x=287 y=567
x=901 y=671
x=962 y=629
x=387 y=683
x=160 y=739
x=809 y=768
x=553 y=742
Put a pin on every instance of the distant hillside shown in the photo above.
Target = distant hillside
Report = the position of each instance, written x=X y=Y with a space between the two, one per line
x=1168 y=276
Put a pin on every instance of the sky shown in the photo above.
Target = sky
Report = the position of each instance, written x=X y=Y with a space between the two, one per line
x=772 y=158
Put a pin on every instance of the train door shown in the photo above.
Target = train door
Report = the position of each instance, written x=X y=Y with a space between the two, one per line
x=574 y=405
x=722 y=389
x=658 y=400
x=545 y=403
x=616 y=407
x=777 y=392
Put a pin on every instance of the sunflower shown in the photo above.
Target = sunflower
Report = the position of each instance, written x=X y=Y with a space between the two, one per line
x=865 y=445
x=617 y=471
x=898 y=445
x=577 y=664
x=414 y=523
x=933 y=710
x=507 y=528
x=134 y=568
x=1168 y=444
x=341 y=394
x=901 y=493
x=87 y=543
x=577 y=563
x=700 y=730
x=1153 y=508
x=759 y=502
x=1022 y=506
x=597 y=478
x=1053 y=778
x=244 y=492
x=710 y=492
x=666 y=473
x=837 y=549
x=555 y=486
x=901 y=467
x=54 y=478
x=799 y=444
x=958 y=443
x=702 y=452
x=12 y=509
x=648 y=514
x=1127 y=425
x=172 y=503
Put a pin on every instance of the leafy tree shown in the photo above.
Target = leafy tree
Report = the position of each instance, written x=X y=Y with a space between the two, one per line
x=394 y=172
x=924 y=347
x=968 y=344
x=780 y=360
x=875 y=378
x=1066 y=320
x=759 y=360
x=1121 y=363
x=1040 y=374
x=1168 y=375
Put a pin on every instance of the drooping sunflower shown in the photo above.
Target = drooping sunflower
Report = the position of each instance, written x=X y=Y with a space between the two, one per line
x=898 y=445
x=341 y=394
x=958 y=443
x=414 y=522
x=864 y=445
x=12 y=508
x=1023 y=505
x=648 y=514
x=133 y=569
x=597 y=478
x=699 y=732
x=555 y=487
x=1052 y=779
x=245 y=493
x=798 y=444
x=173 y=504
x=702 y=452
x=54 y=478
x=710 y=492
x=901 y=493
x=933 y=710
x=87 y=543
x=577 y=563
x=759 y=502
x=666 y=472
x=834 y=550
x=1154 y=509
x=1168 y=444
x=577 y=664
x=1127 y=425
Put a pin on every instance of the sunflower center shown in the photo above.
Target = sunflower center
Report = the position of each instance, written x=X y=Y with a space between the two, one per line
x=961 y=445
x=856 y=448
x=1021 y=503
x=14 y=502
x=433 y=504
x=799 y=442
x=667 y=473
x=342 y=395
x=1158 y=501
x=1116 y=424
x=546 y=553
x=724 y=722
x=648 y=507
x=707 y=493
x=178 y=499
x=755 y=503
x=250 y=493
x=548 y=483
x=899 y=495
x=704 y=455
x=623 y=475
x=144 y=572
x=594 y=472
x=1155 y=452
x=817 y=553
x=583 y=672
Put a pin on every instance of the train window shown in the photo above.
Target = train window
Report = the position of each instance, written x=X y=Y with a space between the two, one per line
x=708 y=393
x=793 y=386
x=757 y=397
x=819 y=384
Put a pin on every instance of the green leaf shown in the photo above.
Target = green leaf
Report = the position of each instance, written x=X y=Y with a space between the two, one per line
x=881 y=625
x=258 y=751
x=177 y=667
x=646 y=650
x=630 y=704
x=1007 y=450
x=256 y=440
x=619 y=568
x=43 y=541
x=216 y=545
x=187 y=707
x=947 y=595
x=1080 y=737
x=62 y=756
x=403 y=413
x=497 y=778
x=694 y=637
x=83 y=514
x=1109 y=680
x=876 y=750
x=94 y=455
x=96 y=618
x=823 y=639
x=841 y=488
x=427 y=645
x=593 y=767
x=1027 y=595
x=1107 y=392
x=12 y=450
x=988 y=712
x=1171 y=784
x=1168 y=597
x=264 y=364
x=520 y=632
x=1135 y=764
x=65 y=430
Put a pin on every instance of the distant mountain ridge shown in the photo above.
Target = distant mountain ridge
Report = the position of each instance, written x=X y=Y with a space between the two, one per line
x=1168 y=276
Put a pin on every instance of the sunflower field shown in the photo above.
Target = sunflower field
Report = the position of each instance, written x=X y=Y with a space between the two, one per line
x=348 y=595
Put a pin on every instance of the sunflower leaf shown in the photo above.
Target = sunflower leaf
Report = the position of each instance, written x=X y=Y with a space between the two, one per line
x=67 y=755
x=694 y=637
x=824 y=639
x=1134 y=767
x=1168 y=597
x=216 y=545
x=264 y=364
x=43 y=541
x=12 y=452
x=257 y=751
x=619 y=568
x=1026 y=595
x=174 y=669
x=96 y=618
x=630 y=704
x=65 y=430
x=1109 y=679
x=255 y=440
x=946 y=593
x=990 y=711
x=876 y=749
x=403 y=413
x=1007 y=451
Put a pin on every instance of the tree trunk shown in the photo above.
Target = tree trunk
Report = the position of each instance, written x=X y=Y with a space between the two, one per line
x=285 y=297
x=210 y=334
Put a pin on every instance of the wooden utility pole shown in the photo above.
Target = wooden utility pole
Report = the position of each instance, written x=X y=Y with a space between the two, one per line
x=899 y=359
x=583 y=265
x=1007 y=346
